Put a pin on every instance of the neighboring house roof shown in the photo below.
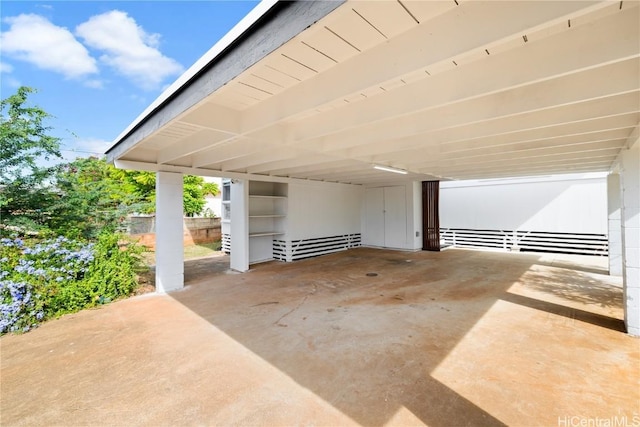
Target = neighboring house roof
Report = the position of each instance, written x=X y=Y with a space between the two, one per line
x=440 y=89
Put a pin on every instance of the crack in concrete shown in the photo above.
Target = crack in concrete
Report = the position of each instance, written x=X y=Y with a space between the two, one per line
x=284 y=325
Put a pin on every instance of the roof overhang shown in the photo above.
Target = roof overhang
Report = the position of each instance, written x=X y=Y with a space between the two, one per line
x=439 y=89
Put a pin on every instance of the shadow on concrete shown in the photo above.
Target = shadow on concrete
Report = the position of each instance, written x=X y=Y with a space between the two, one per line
x=368 y=345
x=568 y=312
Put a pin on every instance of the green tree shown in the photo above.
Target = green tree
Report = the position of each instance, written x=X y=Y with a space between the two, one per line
x=194 y=192
x=24 y=136
x=90 y=198
x=24 y=141
x=92 y=194
x=142 y=185
x=78 y=198
x=138 y=186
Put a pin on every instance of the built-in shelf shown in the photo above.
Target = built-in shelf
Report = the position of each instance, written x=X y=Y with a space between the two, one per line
x=267 y=212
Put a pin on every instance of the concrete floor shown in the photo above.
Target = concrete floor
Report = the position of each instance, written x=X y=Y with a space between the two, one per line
x=443 y=339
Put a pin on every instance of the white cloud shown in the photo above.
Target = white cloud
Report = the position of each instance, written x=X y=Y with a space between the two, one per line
x=94 y=84
x=5 y=68
x=93 y=145
x=85 y=147
x=35 y=39
x=128 y=48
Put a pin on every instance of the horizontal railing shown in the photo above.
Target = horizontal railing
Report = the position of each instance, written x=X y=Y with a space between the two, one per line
x=520 y=240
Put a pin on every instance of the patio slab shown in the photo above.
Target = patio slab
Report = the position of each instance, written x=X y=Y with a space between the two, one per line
x=366 y=336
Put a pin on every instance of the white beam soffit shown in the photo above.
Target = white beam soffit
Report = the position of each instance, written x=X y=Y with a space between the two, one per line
x=440 y=89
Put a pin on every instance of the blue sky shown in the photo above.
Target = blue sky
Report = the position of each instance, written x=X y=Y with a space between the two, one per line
x=98 y=64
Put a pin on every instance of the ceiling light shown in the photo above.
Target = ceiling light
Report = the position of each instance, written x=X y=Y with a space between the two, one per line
x=388 y=169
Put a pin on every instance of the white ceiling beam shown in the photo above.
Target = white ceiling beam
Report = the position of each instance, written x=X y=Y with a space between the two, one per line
x=633 y=136
x=413 y=50
x=263 y=156
x=612 y=80
x=571 y=142
x=587 y=150
x=585 y=162
x=610 y=40
x=205 y=139
x=309 y=160
x=292 y=171
x=539 y=134
x=502 y=125
x=603 y=167
x=530 y=159
x=248 y=144
x=556 y=135
x=212 y=116
x=568 y=141
x=231 y=150
x=593 y=165
x=323 y=171
x=154 y=167
x=143 y=155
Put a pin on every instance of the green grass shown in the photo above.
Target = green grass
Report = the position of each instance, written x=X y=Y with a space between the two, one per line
x=193 y=251
x=202 y=249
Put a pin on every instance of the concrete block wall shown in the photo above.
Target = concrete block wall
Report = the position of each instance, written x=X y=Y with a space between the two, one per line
x=194 y=231
x=630 y=228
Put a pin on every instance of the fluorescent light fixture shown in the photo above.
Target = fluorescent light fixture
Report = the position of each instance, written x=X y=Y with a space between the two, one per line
x=388 y=169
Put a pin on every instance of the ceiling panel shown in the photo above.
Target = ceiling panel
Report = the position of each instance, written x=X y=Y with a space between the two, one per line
x=448 y=89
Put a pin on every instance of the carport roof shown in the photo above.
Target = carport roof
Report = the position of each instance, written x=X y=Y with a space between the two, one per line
x=441 y=89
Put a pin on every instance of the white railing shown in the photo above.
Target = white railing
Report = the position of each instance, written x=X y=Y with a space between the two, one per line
x=520 y=240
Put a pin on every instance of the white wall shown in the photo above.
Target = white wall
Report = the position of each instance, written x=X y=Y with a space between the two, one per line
x=323 y=209
x=214 y=202
x=577 y=205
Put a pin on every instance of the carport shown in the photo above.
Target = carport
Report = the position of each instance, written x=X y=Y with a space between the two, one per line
x=335 y=120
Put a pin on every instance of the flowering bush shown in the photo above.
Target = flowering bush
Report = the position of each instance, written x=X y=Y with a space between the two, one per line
x=43 y=279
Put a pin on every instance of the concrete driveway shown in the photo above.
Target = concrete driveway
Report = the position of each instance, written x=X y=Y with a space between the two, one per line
x=369 y=337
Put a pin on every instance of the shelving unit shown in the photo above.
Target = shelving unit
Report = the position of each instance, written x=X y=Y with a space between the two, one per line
x=267 y=212
x=225 y=221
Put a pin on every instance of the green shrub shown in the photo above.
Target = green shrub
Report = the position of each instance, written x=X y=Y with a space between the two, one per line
x=40 y=279
x=114 y=273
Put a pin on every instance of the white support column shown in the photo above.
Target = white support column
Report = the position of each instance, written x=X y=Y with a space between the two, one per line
x=630 y=178
x=239 y=225
x=614 y=226
x=169 y=234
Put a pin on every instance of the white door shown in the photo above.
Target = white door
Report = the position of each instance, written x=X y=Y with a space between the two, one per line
x=395 y=217
x=385 y=219
x=374 y=217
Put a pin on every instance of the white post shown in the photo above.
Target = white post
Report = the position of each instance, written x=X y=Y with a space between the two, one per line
x=239 y=225
x=169 y=234
x=614 y=226
x=630 y=177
